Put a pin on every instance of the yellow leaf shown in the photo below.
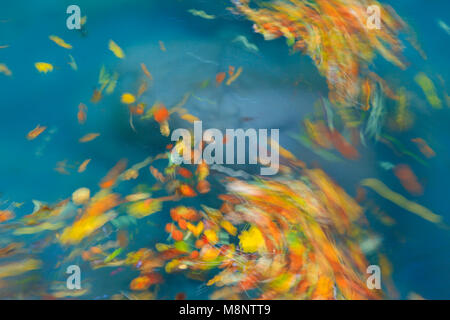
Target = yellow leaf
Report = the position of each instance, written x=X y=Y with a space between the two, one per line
x=228 y=227
x=380 y=188
x=60 y=42
x=209 y=253
x=234 y=76
x=45 y=226
x=84 y=227
x=189 y=117
x=143 y=208
x=89 y=137
x=19 y=267
x=211 y=236
x=429 y=90
x=172 y=265
x=118 y=52
x=127 y=98
x=252 y=240
x=43 y=67
x=4 y=69
x=196 y=230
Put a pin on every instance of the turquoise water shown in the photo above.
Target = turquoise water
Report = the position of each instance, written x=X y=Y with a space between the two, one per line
x=198 y=49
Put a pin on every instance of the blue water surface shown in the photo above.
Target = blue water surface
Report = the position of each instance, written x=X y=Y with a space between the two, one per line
x=197 y=49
